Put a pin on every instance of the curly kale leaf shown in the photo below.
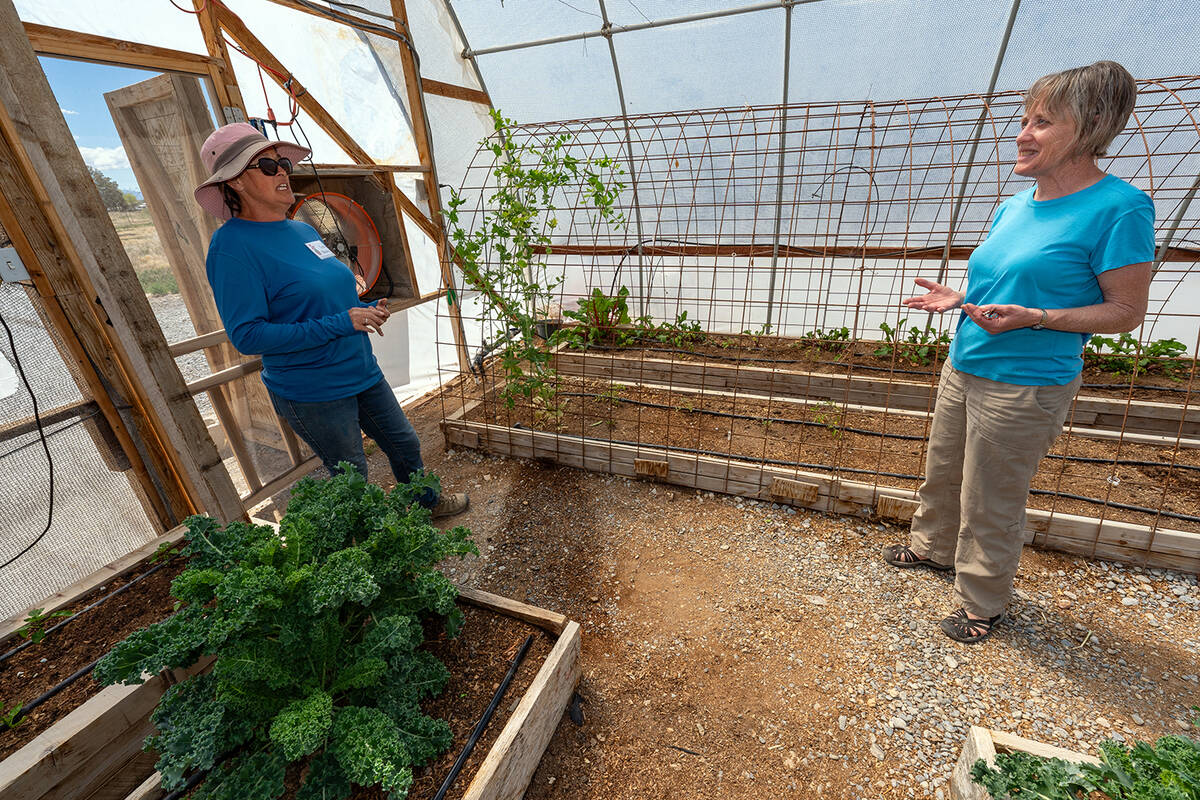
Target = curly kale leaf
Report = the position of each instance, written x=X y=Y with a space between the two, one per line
x=197 y=586
x=211 y=547
x=326 y=780
x=424 y=737
x=1024 y=775
x=302 y=726
x=177 y=641
x=344 y=578
x=190 y=731
x=258 y=776
x=389 y=635
x=360 y=675
x=326 y=516
x=411 y=680
x=421 y=485
x=367 y=745
x=246 y=598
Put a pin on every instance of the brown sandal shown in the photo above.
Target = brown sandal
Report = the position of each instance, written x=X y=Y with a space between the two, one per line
x=961 y=628
x=904 y=557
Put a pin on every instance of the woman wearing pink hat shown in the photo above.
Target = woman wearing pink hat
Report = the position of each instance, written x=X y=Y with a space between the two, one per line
x=282 y=294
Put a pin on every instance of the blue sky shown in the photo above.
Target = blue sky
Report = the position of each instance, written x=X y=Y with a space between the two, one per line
x=79 y=88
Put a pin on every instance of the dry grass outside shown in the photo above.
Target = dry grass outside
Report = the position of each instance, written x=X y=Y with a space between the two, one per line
x=145 y=251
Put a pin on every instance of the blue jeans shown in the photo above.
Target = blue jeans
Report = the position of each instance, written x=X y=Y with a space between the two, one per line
x=333 y=429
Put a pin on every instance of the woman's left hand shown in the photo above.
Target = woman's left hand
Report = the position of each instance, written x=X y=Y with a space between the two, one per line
x=995 y=318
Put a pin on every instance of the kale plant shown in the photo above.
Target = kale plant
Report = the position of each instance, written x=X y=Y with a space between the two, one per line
x=1166 y=770
x=317 y=633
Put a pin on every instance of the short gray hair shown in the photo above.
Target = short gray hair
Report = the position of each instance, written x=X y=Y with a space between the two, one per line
x=1099 y=98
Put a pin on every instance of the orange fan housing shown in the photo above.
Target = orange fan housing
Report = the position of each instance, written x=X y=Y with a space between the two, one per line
x=347 y=230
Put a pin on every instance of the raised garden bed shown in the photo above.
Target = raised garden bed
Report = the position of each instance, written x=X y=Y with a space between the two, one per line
x=824 y=456
x=95 y=751
x=871 y=381
x=985 y=743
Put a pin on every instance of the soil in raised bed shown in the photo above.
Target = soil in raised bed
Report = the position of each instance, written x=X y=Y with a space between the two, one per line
x=798 y=355
x=44 y=665
x=829 y=439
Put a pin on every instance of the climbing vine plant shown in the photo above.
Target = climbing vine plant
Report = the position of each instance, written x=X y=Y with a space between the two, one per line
x=504 y=256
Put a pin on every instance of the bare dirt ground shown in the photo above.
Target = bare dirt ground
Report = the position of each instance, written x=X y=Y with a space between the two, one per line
x=738 y=649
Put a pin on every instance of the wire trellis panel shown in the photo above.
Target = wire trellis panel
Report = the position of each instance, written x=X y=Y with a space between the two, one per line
x=789 y=235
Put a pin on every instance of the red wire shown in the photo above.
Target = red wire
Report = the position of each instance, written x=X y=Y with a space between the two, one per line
x=190 y=11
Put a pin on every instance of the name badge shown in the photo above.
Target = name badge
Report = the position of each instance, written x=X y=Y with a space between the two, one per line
x=319 y=249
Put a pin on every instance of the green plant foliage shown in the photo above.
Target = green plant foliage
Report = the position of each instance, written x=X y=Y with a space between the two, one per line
x=920 y=346
x=316 y=632
x=835 y=340
x=1166 y=770
x=1124 y=356
x=35 y=625
x=503 y=257
x=11 y=717
x=604 y=320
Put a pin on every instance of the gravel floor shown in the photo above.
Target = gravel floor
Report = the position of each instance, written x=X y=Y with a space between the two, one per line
x=741 y=649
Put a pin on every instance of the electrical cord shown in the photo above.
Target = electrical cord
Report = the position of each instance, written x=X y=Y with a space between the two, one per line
x=37 y=418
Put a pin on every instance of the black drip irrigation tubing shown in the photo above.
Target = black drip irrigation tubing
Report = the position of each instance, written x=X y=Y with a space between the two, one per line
x=485 y=719
x=46 y=695
x=826 y=468
x=4 y=657
x=884 y=435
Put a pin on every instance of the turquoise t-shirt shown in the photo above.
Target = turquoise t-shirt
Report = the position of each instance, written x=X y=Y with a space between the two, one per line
x=282 y=294
x=1047 y=254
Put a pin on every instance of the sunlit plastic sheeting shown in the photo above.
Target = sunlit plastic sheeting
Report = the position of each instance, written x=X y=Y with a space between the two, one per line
x=356 y=77
x=725 y=61
x=434 y=355
x=890 y=49
x=438 y=43
x=490 y=24
x=571 y=80
x=144 y=21
x=1149 y=39
x=457 y=127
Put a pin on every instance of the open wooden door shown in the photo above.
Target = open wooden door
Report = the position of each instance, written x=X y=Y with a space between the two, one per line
x=163 y=122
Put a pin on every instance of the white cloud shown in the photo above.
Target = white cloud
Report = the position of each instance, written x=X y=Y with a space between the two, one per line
x=103 y=158
x=68 y=111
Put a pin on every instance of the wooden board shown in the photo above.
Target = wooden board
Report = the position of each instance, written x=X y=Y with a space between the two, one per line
x=1106 y=539
x=1133 y=416
x=986 y=743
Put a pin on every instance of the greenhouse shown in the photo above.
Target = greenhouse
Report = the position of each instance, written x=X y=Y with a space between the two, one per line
x=681 y=389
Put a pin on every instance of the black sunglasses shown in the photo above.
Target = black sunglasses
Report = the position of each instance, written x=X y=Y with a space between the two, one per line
x=270 y=166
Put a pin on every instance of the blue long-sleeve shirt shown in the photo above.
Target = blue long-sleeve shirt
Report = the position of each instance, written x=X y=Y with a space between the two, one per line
x=283 y=295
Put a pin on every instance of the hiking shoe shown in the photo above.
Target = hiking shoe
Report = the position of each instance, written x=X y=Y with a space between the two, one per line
x=450 y=504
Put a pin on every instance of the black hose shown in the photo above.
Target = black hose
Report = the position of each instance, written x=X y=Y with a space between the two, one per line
x=108 y=596
x=46 y=695
x=484 y=720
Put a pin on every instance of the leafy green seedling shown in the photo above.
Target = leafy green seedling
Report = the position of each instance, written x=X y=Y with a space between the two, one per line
x=35 y=625
x=11 y=717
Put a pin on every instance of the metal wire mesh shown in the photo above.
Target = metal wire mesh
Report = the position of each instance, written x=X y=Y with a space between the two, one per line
x=790 y=235
x=81 y=539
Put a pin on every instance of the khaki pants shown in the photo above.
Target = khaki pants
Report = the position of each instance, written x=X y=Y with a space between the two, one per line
x=985 y=443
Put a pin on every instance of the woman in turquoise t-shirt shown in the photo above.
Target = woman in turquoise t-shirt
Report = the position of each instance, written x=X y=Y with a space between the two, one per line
x=1062 y=260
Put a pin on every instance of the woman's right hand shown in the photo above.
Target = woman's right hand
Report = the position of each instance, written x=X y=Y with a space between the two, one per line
x=368 y=319
x=939 y=298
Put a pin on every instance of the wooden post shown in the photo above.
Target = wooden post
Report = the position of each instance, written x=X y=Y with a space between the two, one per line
x=416 y=108
x=220 y=71
x=85 y=246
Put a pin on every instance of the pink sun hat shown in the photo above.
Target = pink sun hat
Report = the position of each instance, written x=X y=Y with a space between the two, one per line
x=226 y=153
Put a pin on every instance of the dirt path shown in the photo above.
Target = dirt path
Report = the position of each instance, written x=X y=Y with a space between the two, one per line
x=738 y=649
